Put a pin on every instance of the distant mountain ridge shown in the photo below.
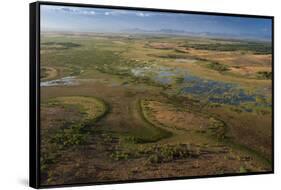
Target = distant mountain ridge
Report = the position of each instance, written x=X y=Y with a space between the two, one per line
x=243 y=36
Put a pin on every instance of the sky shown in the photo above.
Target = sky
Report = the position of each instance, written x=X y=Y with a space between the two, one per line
x=81 y=19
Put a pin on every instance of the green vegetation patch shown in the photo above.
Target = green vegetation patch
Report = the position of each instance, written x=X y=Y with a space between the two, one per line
x=264 y=75
x=74 y=133
x=71 y=133
x=256 y=47
x=155 y=133
x=179 y=80
x=59 y=45
x=154 y=154
x=172 y=56
x=92 y=107
x=218 y=66
x=217 y=128
x=168 y=153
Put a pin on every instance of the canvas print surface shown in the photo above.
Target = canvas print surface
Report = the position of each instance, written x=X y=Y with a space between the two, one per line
x=133 y=95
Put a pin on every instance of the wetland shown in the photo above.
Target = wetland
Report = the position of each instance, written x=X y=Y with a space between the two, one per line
x=130 y=107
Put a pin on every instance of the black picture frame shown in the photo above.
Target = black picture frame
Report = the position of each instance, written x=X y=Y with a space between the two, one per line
x=34 y=98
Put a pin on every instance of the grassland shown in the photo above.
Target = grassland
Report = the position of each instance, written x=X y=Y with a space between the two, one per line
x=126 y=107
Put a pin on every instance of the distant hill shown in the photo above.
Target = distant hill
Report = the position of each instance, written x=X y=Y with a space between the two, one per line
x=241 y=36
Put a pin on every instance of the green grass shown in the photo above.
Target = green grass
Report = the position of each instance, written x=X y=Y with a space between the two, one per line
x=58 y=45
x=75 y=133
x=103 y=59
x=71 y=134
x=154 y=133
x=147 y=133
x=93 y=107
x=256 y=47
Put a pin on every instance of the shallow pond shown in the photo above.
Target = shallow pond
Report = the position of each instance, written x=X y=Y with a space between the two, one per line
x=217 y=92
x=65 y=81
x=203 y=89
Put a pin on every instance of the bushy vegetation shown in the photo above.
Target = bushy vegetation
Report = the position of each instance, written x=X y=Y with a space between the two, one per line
x=59 y=45
x=120 y=155
x=218 y=66
x=217 y=128
x=70 y=134
x=172 y=56
x=47 y=158
x=66 y=137
x=168 y=153
x=179 y=80
x=138 y=138
x=134 y=140
x=242 y=170
x=159 y=153
x=256 y=47
x=43 y=72
x=264 y=75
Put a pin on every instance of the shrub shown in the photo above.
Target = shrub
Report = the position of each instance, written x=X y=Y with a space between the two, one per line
x=218 y=66
x=264 y=75
x=179 y=80
x=154 y=159
x=242 y=169
x=71 y=134
x=119 y=155
x=167 y=153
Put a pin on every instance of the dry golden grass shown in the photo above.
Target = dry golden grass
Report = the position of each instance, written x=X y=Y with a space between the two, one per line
x=249 y=70
x=232 y=58
x=162 y=45
x=50 y=72
x=92 y=106
x=171 y=116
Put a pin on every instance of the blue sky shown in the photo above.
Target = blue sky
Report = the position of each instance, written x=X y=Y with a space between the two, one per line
x=78 y=19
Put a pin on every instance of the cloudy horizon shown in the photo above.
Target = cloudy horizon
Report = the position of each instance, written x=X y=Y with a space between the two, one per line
x=81 y=19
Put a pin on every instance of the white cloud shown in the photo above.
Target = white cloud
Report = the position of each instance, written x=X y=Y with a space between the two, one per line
x=141 y=14
x=78 y=11
x=123 y=12
x=116 y=12
x=70 y=10
x=88 y=11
